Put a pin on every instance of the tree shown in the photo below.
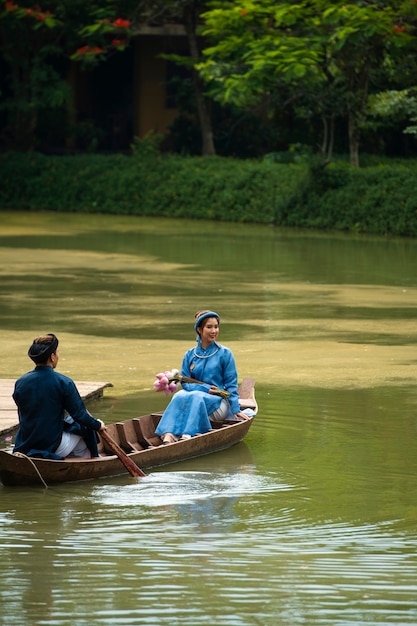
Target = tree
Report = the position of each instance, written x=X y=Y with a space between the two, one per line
x=397 y=101
x=35 y=45
x=325 y=54
x=360 y=39
x=187 y=13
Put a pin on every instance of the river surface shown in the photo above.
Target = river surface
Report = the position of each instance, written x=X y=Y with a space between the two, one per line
x=312 y=520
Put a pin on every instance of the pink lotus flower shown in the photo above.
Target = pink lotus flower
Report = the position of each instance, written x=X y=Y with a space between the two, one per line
x=165 y=383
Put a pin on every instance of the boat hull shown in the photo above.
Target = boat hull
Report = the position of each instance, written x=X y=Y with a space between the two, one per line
x=17 y=469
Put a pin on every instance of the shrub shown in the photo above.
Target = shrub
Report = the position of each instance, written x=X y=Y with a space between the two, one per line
x=379 y=199
x=148 y=184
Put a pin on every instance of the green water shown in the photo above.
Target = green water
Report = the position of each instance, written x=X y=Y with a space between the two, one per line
x=312 y=519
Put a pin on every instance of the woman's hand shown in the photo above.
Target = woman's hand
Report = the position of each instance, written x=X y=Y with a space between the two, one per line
x=215 y=391
x=241 y=416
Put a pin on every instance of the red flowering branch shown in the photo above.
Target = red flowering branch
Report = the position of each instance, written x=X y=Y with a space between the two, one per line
x=119 y=44
x=92 y=51
x=108 y=32
x=120 y=23
x=101 y=37
x=11 y=7
x=46 y=17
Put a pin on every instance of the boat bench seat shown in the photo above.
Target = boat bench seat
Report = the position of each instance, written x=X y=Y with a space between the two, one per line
x=247 y=394
x=124 y=434
x=103 y=445
x=145 y=428
x=128 y=437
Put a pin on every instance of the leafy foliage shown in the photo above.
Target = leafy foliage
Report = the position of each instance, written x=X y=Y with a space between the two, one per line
x=145 y=184
x=35 y=46
x=397 y=105
x=324 y=55
x=379 y=199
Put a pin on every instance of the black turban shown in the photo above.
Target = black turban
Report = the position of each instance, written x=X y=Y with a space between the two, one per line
x=40 y=352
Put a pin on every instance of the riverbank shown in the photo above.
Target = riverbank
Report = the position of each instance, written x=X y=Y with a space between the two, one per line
x=380 y=198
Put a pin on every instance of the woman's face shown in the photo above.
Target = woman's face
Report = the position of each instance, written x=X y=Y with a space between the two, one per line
x=209 y=330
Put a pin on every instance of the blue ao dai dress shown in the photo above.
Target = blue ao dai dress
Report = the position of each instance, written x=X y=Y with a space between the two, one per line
x=189 y=410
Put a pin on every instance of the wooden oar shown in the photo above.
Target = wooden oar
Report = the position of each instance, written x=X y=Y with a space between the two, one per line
x=131 y=467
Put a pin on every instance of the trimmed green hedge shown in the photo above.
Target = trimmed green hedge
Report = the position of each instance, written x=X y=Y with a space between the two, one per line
x=380 y=199
x=202 y=188
x=376 y=200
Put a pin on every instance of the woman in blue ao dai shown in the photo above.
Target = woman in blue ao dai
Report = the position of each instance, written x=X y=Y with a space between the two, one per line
x=191 y=408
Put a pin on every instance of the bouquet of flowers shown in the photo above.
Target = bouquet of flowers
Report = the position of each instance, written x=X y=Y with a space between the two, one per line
x=169 y=381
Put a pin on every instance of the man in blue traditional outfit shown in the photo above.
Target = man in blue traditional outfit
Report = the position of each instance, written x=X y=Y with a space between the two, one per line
x=53 y=421
x=191 y=409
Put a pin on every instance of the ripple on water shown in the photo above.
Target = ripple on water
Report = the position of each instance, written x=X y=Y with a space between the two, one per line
x=169 y=488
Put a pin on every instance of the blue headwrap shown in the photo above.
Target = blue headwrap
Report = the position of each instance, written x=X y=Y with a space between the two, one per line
x=204 y=316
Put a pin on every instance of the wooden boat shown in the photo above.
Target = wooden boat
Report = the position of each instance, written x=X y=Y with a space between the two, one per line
x=137 y=438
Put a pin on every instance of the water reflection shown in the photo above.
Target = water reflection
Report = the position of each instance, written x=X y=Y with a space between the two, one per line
x=312 y=520
x=160 y=549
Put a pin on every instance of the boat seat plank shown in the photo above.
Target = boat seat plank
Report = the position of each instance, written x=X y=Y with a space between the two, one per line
x=247 y=403
x=139 y=434
x=148 y=425
x=112 y=430
x=127 y=436
x=247 y=394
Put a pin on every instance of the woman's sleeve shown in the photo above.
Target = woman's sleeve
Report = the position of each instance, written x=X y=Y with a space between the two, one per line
x=230 y=380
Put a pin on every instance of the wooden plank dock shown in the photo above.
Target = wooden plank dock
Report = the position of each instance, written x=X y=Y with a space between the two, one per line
x=8 y=413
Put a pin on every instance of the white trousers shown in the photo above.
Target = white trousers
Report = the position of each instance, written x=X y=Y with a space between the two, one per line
x=73 y=445
x=221 y=413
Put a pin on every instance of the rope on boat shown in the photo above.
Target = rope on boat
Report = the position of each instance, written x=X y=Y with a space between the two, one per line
x=23 y=456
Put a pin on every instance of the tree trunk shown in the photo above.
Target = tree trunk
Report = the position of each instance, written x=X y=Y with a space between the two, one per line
x=357 y=98
x=22 y=120
x=326 y=148
x=203 y=105
x=354 y=136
